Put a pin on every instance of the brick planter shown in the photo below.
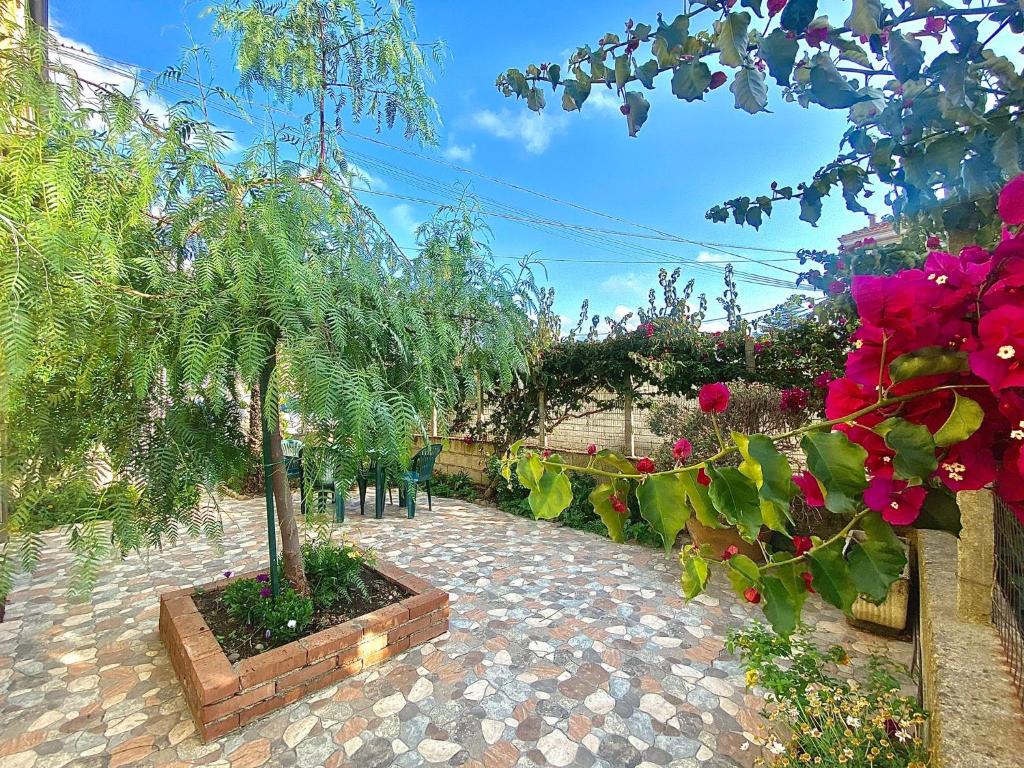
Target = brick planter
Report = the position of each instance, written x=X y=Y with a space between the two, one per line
x=223 y=696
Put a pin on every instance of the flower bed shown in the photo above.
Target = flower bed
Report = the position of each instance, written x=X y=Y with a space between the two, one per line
x=223 y=696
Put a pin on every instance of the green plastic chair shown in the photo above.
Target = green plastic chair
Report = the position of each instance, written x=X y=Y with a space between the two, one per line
x=421 y=470
x=322 y=485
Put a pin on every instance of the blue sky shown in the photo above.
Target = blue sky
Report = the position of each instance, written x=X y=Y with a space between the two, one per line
x=687 y=158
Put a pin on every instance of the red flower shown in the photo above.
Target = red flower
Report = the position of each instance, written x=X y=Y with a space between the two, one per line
x=793 y=400
x=846 y=396
x=837 y=288
x=811 y=489
x=802 y=544
x=618 y=505
x=682 y=449
x=545 y=453
x=730 y=551
x=968 y=466
x=808 y=578
x=823 y=379
x=898 y=503
x=713 y=398
x=934 y=26
x=1011 y=202
x=775 y=7
x=999 y=359
x=717 y=80
x=933 y=242
x=702 y=477
x=815 y=37
x=591 y=449
x=645 y=466
x=752 y=595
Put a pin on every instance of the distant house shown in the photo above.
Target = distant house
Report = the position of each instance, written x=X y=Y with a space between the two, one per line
x=883 y=232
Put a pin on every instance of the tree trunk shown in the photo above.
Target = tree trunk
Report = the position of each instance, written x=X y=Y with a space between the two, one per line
x=292 y=565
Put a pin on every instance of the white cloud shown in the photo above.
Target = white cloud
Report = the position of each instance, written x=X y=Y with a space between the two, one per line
x=403 y=221
x=711 y=258
x=363 y=179
x=715 y=325
x=602 y=100
x=533 y=130
x=459 y=153
x=626 y=285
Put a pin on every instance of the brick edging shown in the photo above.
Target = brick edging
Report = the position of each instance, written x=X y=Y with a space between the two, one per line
x=223 y=696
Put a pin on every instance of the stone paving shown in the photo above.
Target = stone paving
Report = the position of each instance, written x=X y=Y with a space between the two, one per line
x=565 y=649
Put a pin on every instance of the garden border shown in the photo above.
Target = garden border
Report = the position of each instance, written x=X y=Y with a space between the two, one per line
x=223 y=696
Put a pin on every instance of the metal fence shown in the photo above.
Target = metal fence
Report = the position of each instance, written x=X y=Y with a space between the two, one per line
x=1008 y=597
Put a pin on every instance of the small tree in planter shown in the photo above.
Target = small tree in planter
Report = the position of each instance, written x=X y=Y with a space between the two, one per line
x=931 y=403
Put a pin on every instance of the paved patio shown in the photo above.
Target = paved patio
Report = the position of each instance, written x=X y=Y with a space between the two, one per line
x=564 y=649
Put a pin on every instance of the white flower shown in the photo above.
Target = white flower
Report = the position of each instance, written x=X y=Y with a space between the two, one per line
x=776 y=748
x=291 y=623
x=852 y=721
x=902 y=735
x=1006 y=352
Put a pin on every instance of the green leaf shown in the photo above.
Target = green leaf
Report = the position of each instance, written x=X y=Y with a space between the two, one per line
x=832 y=578
x=915 y=450
x=690 y=80
x=574 y=93
x=939 y=512
x=754 y=5
x=863 y=19
x=732 y=39
x=779 y=52
x=904 y=56
x=663 y=505
x=1006 y=151
x=778 y=606
x=964 y=420
x=798 y=14
x=621 y=72
x=735 y=497
x=746 y=568
x=646 y=73
x=750 y=90
x=927 y=361
x=776 y=484
x=638 y=109
x=838 y=465
x=700 y=501
x=600 y=498
x=535 y=99
x=876 y=563
x=614 y=461
x=828 y=86
x=554 y=73
x=695 y=573
x=551 y=496
x=529 y=470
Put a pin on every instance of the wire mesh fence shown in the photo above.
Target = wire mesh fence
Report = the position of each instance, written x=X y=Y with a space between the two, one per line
x=1008 y=600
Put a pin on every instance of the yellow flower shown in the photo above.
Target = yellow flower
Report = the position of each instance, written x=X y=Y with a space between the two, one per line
x=751 y=678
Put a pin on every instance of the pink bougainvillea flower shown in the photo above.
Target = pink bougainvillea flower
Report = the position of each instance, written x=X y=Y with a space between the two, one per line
x=934 y=26
x=751 y=595
x=1010 y=482
x=713 y=398
x=967 y=467
x=618 y=505
x=793 y=400
x=933 y=242
x=591 y=449
x=1011 y=202
x=265 y=592
x=802 y=544
x=837 y=288
x=846 y=396
x=822 y=380
x=890 y=302
x=729 y=552
x=999 y=358
x=703 y=478
x=682 y=449
x=811 y=489
x=546 y=453
x=815 y=36
x=898 y=503
x=775 y=7
x=808 y=578
x=645 y=466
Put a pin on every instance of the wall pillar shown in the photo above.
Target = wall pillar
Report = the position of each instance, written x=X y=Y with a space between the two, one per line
x=975 y=556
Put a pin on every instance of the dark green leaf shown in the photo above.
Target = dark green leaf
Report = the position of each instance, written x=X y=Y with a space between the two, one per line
x=638 y=109
x=927 y=361
x=915 y=450
x=832 y=576
x=798 y=14
x=778 y=606
x=964 y=420
x=750 y=90
x=600 y=498
x=700 y=500
x=779 y=52
x=754 y=5
x=690 y=80
x=735 y=497
x=552 y=495
x=863 y=19
x=622 y=67
x=646 y=73
x=876 y=563
x=535 y=99
x=838 y=465
x=904 y=56
x=773 y=479
x=574 y=93
x=554 y=73
x=828 y=86
x=663 y=505
x=694 y=573
x=940 y=512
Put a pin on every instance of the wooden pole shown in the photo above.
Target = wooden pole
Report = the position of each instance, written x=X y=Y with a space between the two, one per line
x=628 y=444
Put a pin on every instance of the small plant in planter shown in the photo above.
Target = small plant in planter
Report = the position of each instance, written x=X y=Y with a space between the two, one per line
x=818 y=716
x=931 y=403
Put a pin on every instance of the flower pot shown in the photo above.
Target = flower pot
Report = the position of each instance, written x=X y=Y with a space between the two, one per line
x=890 y=615
x=720 y=539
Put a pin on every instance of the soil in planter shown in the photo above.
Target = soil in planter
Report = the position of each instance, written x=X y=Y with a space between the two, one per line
x=241 y=642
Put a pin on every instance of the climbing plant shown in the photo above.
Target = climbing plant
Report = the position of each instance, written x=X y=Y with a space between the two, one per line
x=931 y=90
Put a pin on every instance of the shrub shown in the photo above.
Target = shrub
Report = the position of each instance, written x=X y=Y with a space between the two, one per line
x=248 y=601
x=79 y=500
x=457 y=485
x=818 y=717
x=335 y=572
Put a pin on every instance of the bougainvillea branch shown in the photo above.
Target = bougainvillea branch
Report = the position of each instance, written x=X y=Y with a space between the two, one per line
x=931 y=403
